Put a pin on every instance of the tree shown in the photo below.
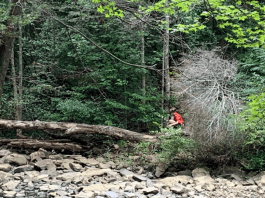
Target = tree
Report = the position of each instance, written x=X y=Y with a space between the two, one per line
x=8 y=38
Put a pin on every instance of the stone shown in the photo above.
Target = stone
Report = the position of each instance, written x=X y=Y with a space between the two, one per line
x=103 y=166
x=16 y=159
x=9 y=194
x=56 y=157
x=139 y=178
x=4 y=152
x=68 y=176
x=150 y=190
x=160 y=169
x=85 y=195
x=38 y=155
x=11 y=185
x=4 y=177
x=171 y=181
x=90 y=161
x=179 y=189
x=5 y=167
x=94 y=172
x=23 y=168
x=129 y=195
x=75 y=167
x=46 y=164
x=100 y=187
x=111 y=194
x=127 y=173
x=149 y=183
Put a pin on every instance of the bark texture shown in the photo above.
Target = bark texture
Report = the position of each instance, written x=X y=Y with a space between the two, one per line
x=74 y=128
x=34 y=144
x=8 y=42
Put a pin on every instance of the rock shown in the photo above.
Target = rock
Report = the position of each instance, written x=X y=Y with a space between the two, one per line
x=4 y=152
x=16 y=159
x=95 y=172
x=5 y=167
x=111 y=194
x=179 y=189
x=160 y=169
x=56 y=157
x=4 y=177
x=150 y=190
x=149 y=183
x=46 y=164
x=103 y=166
x=75 y=167
x=139 y=178
x=130 y=195
x=126 y=173
x=68 y=176
x=90 y=161
x=9 y=193
x=38 y=155
x=171 y=181
x=100 y=187
x=151 y=158
x=198 y=172
x=11 y=185
x=85 y=195
x=23 y=168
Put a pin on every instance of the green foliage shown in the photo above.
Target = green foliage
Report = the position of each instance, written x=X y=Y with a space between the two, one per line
x=254 y=120
x=251 y=72
x=173 y=143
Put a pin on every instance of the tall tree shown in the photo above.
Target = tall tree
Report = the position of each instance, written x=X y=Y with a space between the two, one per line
x=8 y=41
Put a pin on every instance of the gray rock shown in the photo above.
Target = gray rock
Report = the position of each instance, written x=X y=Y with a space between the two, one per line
x=4 y=152
x=5 y=167
x=126 y=173
x=149 y=183
x=9 y=193
x=150 y=190
x=111 y=194
x=139 y=178
x=23 y=168
x=16 y=159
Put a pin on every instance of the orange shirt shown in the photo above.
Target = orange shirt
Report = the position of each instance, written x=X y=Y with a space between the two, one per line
x=177 y=117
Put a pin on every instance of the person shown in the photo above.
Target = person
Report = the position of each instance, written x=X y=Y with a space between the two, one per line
x=176 y=121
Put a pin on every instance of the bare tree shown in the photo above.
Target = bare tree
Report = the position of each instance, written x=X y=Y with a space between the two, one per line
x=206 y=94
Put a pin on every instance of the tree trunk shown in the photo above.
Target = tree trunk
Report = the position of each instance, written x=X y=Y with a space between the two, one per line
x=7 y=46
x=14 y=85
x=166 y=60
x=74 y=128
x=19 y=131
x=143 y=60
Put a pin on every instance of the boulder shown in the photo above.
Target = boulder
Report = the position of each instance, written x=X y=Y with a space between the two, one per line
x=5 y=167
x=16 y=159
x=46 y=164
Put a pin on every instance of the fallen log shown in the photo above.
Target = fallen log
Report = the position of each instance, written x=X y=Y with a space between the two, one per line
x=34 y=144
x=75 y=128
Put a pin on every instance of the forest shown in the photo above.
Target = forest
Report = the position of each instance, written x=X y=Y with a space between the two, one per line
x=105 y=72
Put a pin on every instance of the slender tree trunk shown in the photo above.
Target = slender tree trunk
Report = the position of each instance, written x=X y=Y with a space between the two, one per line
x=166 y=61
x=7 y=46
x=19 y=131
x=143 y=60
x=14 y=85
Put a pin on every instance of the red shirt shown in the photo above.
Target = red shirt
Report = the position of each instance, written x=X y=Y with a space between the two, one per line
x=177 y=117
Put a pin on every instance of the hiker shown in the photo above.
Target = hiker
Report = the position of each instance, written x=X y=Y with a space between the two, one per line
x=178 y=120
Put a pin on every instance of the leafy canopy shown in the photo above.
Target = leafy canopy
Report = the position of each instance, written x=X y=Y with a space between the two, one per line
x=245 y=20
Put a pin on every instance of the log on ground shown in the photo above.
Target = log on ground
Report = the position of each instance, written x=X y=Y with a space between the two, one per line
x=34 y=144
x=75 y=128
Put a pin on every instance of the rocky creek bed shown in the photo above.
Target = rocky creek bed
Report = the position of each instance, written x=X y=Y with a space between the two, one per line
x=41 y=175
